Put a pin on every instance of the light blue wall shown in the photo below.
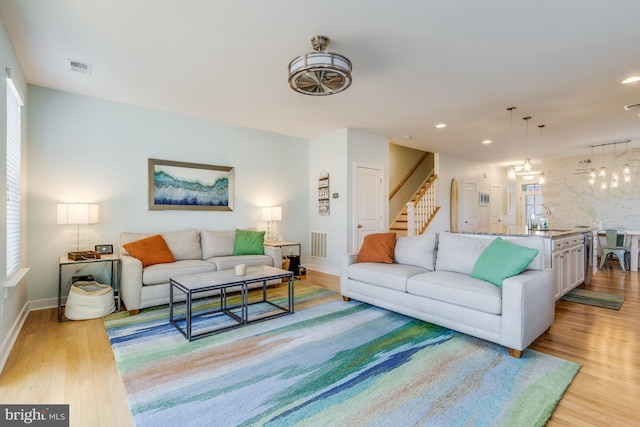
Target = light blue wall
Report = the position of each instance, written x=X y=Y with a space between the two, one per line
x=85 y=149
x=13 y=300
x=329 y=153
x=336 y=153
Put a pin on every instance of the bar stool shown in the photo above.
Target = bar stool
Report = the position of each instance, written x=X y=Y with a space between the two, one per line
x=614 y=243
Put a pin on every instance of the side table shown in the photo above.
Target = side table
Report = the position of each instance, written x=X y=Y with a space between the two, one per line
x=282 y=245
x=114 y=260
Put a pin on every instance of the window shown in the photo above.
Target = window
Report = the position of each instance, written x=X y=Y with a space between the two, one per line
x=532 y=196
x=14 y=123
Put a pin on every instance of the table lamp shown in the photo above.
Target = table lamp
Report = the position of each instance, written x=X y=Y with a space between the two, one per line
x=77 y=214
x=271 y=214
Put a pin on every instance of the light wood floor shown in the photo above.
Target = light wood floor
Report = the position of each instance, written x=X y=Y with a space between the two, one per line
x=73 y=363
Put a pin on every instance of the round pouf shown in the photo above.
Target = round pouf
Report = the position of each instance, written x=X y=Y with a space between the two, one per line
x=89 y=300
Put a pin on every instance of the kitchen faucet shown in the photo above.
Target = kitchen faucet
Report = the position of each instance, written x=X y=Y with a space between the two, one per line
x=530 y=218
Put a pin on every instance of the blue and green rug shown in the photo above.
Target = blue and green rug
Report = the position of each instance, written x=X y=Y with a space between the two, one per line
x=596 y=299
x=331 y=363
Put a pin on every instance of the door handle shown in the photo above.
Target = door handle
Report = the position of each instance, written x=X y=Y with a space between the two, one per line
x=359 y=225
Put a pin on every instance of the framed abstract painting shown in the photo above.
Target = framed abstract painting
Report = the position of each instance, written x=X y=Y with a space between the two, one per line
x=190 y=186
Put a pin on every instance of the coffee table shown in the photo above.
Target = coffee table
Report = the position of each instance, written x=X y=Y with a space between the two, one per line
x=195 y=284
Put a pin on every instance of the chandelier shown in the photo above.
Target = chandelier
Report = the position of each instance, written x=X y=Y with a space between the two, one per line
x=320 y=73
x=602 y=172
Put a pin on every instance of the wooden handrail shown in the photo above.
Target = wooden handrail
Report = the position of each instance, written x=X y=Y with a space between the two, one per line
x=420 y=212
x=426 y=188
x=407 y=176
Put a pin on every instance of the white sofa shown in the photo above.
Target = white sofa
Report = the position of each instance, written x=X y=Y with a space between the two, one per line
x=430 y=279
x=195 y=252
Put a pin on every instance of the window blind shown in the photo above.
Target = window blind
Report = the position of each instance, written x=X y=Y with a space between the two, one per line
x=14 y=107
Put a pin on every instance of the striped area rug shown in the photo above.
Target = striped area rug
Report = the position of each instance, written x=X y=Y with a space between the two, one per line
x=331 y=363
x=596 y=299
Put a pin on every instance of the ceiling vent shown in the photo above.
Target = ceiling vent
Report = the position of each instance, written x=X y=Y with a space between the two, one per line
x=631 y=106
x=79 y=67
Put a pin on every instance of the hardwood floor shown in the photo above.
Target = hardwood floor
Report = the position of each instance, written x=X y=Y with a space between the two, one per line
x=73 y=363
x=606 y=391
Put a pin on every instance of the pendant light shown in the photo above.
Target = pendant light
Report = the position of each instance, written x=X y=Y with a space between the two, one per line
x=614 y=173
x=527 y=160
x=511 y=170
x=541 y=178
x=592 y=173
x=603 y=172
x=626 y=169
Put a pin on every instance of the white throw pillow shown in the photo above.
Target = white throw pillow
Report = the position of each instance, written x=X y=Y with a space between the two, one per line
x=459 y=252
x=416 y=250
x=217 y=243
x=184 y=244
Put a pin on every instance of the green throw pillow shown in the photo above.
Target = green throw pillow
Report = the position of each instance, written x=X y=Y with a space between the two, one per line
x=249 y=243
x=502 y=259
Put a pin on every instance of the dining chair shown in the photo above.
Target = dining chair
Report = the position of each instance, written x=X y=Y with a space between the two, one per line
x=614 y=243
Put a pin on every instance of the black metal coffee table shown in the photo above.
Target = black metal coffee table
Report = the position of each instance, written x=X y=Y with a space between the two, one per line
x=225 y=281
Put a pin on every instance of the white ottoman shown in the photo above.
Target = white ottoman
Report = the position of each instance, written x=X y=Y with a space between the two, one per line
x=89 y=300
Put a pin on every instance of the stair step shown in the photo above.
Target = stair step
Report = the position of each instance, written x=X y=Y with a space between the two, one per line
x=400 y=223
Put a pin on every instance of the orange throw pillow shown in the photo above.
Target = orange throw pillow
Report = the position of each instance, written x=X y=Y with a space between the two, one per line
x=378 y=248
x=152 y=250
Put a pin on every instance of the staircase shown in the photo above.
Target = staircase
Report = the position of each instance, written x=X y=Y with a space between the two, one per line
x=420 y=210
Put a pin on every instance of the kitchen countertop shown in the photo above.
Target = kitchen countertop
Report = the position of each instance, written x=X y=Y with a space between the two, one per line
x=522 y=231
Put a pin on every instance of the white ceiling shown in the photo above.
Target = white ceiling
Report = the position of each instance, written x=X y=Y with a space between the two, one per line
x=415 y=63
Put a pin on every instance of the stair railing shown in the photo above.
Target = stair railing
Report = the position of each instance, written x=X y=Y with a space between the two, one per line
x=423 y=209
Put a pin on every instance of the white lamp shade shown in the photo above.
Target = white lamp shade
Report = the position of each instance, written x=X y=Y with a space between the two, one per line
x=77 y=213
x=272 y=213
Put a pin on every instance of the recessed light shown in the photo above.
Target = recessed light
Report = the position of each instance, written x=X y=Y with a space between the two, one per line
x=487 y=141
x=631 y=79
x=441 y=125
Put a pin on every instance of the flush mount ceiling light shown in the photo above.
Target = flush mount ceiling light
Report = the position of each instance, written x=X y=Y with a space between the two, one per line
x=320 y=73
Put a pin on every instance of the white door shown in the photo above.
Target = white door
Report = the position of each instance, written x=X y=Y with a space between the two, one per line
x=470 y=206
x=495 y=206
x=369 y=202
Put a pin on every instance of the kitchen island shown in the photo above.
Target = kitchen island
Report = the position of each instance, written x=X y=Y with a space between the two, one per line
x=568 y=251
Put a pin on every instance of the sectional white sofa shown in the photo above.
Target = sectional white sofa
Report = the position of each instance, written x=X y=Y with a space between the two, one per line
x=430 y=279
x=195 y=252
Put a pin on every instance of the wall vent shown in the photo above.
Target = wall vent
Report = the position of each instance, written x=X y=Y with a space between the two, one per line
x=318 y=244
x=79 y=67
